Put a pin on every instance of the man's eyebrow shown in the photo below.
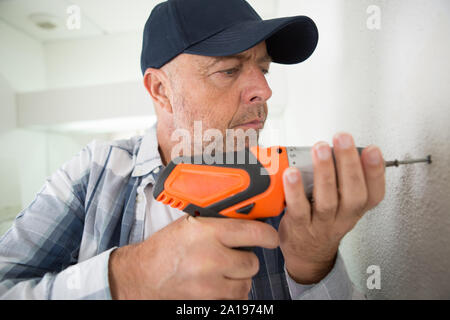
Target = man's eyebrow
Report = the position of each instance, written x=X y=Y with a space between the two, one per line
x=265 y=58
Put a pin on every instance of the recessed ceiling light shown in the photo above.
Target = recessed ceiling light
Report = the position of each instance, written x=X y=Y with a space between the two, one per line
x=45 y=21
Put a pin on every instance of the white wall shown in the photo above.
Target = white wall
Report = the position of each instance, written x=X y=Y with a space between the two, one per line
x=95 y=102
x=94 y=60
x=8 y=119
x=27 y=156
x=21 y=60
x=389 y=87
x=21 y=69
x=49 y=92
x=9 y=192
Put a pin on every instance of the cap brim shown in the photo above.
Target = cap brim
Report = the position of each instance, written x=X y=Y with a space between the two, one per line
x=289 y=40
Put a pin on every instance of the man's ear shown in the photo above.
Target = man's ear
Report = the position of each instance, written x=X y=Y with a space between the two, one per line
x=156 y=82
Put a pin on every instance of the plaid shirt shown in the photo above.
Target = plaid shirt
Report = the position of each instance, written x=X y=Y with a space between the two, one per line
x=59 y=246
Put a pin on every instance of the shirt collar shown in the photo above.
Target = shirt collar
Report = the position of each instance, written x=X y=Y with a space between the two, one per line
x=148 y=157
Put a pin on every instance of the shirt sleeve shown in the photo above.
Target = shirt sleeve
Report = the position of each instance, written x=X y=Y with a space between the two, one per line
x=86 y=280
x=335 y=286
x=39 y=253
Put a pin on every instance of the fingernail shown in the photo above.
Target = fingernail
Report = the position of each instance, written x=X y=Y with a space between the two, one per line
x=323 y=151
x=344 y=140
x=374 y=156
x=292 y=175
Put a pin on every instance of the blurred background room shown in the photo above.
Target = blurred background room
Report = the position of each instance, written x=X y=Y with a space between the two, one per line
x=70 y=73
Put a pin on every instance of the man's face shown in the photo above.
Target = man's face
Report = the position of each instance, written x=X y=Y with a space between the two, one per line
x=221 y=92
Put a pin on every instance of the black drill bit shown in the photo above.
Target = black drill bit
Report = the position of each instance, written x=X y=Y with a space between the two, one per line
x=397 y=163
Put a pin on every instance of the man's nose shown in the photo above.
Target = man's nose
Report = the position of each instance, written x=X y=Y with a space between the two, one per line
x=257 y=89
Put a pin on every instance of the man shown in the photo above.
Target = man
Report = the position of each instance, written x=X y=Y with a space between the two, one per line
x=94 y=230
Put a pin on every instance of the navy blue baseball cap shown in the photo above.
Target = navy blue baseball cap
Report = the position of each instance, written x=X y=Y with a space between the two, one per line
x=222 y=28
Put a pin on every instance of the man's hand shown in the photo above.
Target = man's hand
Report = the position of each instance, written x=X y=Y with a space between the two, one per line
x=310 y=233
x=191 y=258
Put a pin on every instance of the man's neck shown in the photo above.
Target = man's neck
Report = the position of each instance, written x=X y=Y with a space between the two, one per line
x=164 y=145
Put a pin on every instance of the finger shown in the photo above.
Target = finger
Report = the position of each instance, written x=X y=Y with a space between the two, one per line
x=325 y=188
x=234 y=233
x=373 y=164
x=350 y=176
x=297 y=205
x=240 y=264
x=215 y=287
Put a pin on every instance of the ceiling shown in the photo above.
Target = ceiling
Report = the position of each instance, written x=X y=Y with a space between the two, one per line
x=98 y=17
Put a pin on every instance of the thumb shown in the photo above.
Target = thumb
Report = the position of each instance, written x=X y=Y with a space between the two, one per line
x=297 y=205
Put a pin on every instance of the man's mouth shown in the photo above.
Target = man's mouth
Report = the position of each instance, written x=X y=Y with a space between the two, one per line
x=255 y=124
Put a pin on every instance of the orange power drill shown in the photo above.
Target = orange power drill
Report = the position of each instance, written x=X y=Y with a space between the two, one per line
x=245 y=184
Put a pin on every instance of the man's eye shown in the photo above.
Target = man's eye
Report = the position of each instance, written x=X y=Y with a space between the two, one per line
x=230 y=72
x=265 y=71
